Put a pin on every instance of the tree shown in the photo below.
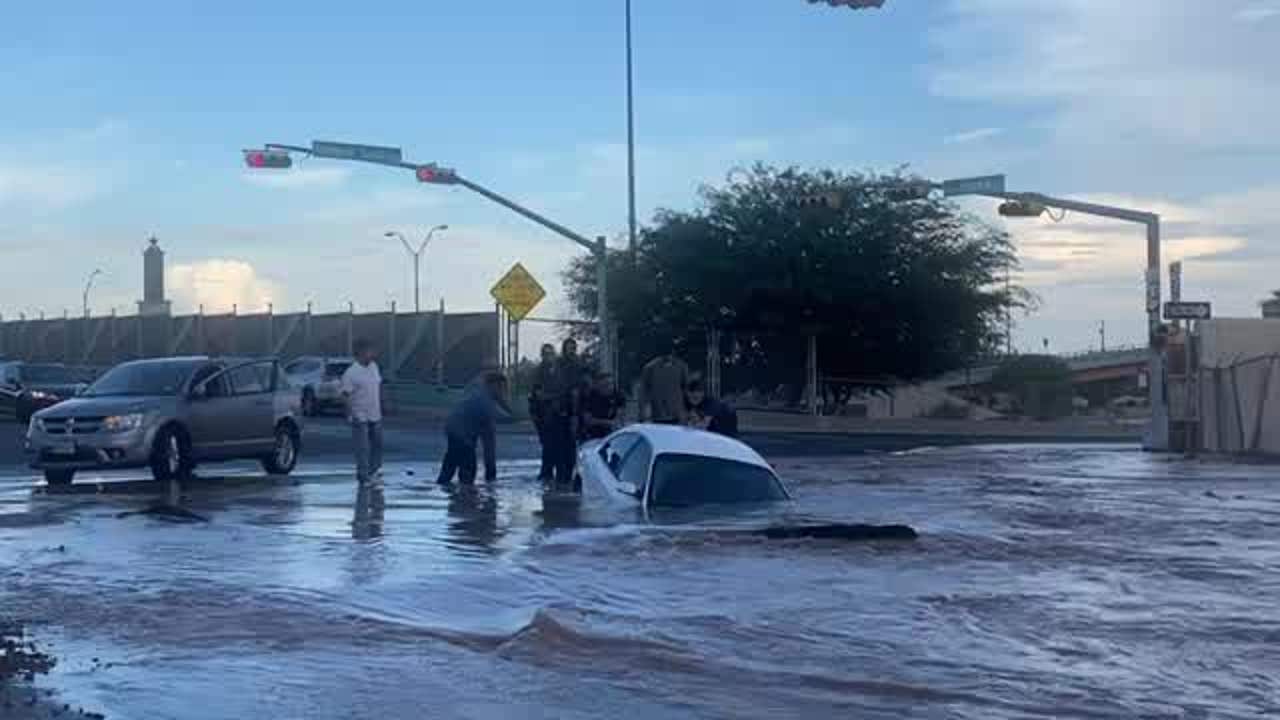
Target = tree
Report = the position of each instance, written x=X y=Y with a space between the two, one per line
x=890 y=284
x=1040 y=385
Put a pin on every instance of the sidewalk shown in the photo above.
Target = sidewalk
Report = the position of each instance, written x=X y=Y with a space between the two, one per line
x=754 y=422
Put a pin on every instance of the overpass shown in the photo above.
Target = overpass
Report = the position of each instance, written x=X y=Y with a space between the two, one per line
x=1098 y=376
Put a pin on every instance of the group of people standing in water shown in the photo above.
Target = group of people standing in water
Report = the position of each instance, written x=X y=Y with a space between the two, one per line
x=570 y=402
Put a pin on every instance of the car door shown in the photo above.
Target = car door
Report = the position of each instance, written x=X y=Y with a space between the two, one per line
x=213 y=413
x=253 y=386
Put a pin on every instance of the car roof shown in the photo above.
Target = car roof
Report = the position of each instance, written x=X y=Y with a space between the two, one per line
x=691 y=441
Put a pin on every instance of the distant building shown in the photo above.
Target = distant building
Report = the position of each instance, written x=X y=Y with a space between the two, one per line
x=153 y=300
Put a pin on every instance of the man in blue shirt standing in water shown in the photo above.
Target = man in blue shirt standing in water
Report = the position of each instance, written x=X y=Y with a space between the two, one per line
x=474 y=421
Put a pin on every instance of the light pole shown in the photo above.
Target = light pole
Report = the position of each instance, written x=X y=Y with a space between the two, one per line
x=417 y=260
x=87 y=287
x=631 y=147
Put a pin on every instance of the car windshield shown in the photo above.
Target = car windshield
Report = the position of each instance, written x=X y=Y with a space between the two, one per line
x=49 y=374
x=142 y=379
x=335 y=369
x=682 y=480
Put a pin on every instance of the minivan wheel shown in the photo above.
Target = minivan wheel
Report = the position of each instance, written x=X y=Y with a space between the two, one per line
x=59 y=478
x=170 y=456
x=284 y=452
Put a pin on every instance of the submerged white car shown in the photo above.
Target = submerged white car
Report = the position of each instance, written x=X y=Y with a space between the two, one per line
x=667 y=466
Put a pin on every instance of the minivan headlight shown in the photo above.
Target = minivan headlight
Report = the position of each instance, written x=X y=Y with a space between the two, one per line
x=122 y=423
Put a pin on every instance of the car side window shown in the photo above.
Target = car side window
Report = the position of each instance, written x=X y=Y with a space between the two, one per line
x=635 y=466
x=213 y=380
x=616 y=449
x=251 y=379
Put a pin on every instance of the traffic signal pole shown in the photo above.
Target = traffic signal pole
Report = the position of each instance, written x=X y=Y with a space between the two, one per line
x=443 y=176
x=1158 y=432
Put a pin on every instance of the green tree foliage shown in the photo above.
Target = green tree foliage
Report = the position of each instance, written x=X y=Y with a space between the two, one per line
x=891 y=285
x=1040 y=385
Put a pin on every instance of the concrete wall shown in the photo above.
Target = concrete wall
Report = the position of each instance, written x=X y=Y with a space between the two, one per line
x=408 y=342
x=1239 y=385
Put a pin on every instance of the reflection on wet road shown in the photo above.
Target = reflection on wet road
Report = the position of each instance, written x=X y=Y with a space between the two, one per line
x=1048 y=582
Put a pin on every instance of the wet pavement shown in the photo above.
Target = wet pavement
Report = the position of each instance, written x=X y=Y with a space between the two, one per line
x=1048 y=581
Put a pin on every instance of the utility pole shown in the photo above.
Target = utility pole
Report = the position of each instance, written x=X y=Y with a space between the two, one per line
x=417 y=261
x=1102 y=334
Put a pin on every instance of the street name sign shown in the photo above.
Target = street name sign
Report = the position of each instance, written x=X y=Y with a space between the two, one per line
x=983 y=185
x=363 y=153
x=1187 y=311
x=518 y=292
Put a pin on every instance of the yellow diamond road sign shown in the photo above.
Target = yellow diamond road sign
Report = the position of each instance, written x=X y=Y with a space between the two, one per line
x=517 y=292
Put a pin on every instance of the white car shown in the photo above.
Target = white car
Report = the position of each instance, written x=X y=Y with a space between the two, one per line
x=666 y=466
x=320 y=380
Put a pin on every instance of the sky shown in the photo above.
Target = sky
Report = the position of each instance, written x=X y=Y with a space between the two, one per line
x=125 y=120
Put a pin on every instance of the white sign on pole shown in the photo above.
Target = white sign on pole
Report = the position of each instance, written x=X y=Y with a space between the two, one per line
x=1187 y=311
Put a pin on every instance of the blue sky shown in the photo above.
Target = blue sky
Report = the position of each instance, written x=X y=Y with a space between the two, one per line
x=126 y=119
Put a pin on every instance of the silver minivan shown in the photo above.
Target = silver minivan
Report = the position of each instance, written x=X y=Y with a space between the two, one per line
x=170 y=414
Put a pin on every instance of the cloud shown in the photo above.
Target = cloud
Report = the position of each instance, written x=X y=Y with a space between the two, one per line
x=969 y=136
x=1258 y=12
x=219 y=285
x=298 y=177
x=46 y=188
x=1149 y=71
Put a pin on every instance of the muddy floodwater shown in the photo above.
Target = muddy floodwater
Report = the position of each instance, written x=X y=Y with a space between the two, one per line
x=1064 y=582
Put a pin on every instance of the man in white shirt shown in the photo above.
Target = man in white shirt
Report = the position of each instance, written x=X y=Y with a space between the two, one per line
x=362 y=390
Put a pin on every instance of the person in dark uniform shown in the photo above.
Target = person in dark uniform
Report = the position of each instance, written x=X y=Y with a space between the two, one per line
x=540 y=401
x=710 y=413
x=562 y=422
x=599 y=407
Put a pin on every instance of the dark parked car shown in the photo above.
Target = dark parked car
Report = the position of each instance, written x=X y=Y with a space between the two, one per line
x=27 y=387
x=170 y=414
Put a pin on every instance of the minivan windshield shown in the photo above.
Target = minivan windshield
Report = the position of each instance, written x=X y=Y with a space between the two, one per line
x=148 y=378
x=682 y=480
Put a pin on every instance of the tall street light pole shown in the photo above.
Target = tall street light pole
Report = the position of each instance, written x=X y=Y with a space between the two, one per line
x=87 y=287
x=417 y=261
x=631 y=146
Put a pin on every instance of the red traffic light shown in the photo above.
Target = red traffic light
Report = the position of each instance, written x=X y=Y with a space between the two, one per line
x=258 y=159
x=435 y=174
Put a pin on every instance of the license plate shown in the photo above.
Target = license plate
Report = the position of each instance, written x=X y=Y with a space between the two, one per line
x=67 y=449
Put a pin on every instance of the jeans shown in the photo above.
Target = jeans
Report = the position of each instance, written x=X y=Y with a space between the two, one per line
x=564 y=449
x=367 y=438
x=459 y=459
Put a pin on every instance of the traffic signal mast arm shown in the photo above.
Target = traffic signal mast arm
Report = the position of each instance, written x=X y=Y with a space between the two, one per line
x=1108 y=211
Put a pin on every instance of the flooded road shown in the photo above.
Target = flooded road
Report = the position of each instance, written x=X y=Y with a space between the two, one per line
x=1048 y=581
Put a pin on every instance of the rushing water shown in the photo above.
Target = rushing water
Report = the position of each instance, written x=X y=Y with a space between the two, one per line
x=1072 y=582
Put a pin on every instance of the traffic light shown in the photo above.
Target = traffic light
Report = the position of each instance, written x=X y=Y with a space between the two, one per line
x=1021 y=209
x=436 y=174
x=259 y=159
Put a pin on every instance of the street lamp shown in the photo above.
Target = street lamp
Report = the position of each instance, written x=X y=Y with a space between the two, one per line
x=417 y=260
x=87 y=287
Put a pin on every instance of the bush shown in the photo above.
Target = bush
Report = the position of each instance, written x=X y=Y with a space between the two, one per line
x=1039 y=384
